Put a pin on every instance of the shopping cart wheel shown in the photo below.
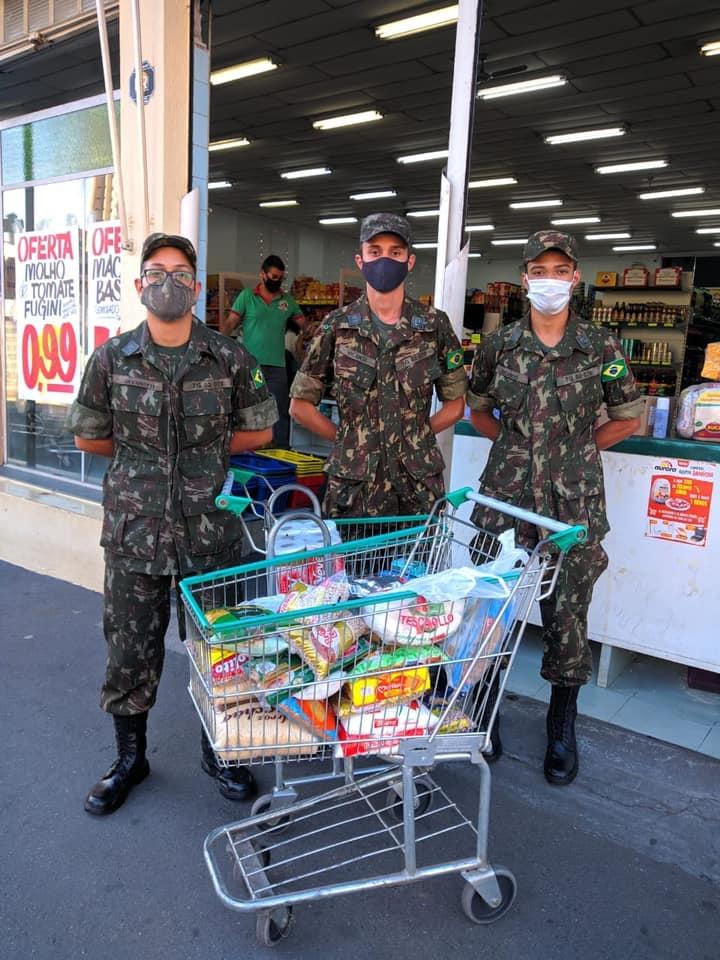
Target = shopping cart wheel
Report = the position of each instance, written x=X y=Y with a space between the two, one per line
x=423 y=799
x=478 y=910
x=276 y=824
x=273 y=926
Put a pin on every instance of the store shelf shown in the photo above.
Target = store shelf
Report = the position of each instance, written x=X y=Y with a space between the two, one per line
x=641 y=290
x=317 y=303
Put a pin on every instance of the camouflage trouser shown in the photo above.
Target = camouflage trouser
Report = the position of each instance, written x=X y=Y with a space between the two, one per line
x=567 y=659
x=382 y=497
x=136 y=618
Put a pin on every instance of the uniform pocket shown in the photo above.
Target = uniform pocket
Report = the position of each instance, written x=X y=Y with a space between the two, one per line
x=581 y=397
x=417 y=371
x=137 y=407
x=212 y=533
x=206 y=410
x=355 y=375
x=130 y=535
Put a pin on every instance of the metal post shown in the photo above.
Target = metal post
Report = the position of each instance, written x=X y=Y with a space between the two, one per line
x=140 y=105
x=452 y=251
x=112 y=121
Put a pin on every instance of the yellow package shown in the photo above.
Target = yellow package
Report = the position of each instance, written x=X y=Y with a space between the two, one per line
x=394 y=685
x=711 y=367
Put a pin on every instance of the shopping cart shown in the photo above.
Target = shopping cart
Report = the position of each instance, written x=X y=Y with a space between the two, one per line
x=411 y=684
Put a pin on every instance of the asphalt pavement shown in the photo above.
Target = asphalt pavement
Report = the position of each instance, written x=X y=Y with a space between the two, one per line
x=623 y=864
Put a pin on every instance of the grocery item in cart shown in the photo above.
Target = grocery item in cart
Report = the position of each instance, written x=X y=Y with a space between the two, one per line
x=301 y=597
x=305 y=536
x=417 y=621
x=314 y=715
x=393 y=676
x=323 y=645
x=248 y=731
x=380 y=731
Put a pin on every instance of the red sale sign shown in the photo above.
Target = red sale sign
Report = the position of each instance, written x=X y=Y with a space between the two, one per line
x=104 y=249
x=679 y=502
x=48 y=315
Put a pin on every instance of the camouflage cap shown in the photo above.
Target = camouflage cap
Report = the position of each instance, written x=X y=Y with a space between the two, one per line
x=157 y=240
x=385 y=223
x=544 y=240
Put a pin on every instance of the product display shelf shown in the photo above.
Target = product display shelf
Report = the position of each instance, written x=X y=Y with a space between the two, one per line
x=222 y=289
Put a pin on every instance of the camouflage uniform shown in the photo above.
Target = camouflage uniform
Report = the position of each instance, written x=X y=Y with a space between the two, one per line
x=171 y=444
x=385 y=459
x=546 y=459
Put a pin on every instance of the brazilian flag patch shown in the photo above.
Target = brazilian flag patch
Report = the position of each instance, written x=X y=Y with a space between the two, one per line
x=614 y=370
x=455 y=359
x=257 y=378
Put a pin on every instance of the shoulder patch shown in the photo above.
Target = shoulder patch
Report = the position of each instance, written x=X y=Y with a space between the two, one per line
x=614 y=370
x=257 y=378
x=130 y=347
x=455 y=359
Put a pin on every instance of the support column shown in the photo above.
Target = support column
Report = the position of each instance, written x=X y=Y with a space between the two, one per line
x=165 y=44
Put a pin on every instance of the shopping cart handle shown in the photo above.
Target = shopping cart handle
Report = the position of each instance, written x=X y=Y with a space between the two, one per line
x=225 y=499
x=564 y=535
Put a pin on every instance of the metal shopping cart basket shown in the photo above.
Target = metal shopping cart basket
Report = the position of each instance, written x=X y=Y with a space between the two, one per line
x=388 y=677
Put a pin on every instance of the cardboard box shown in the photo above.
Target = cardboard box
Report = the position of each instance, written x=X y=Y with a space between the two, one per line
x=606 y=279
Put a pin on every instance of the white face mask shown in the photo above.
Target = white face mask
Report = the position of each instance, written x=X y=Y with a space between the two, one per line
x=549 y=296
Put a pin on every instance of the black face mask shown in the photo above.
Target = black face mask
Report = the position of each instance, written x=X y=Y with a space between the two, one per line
x=167 y=300
x=385 y=274
x=272 y=285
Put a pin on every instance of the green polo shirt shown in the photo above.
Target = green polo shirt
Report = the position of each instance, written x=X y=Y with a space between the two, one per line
x=264 y=325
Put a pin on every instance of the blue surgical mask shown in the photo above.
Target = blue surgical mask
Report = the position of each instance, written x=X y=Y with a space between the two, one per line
x=385 y=274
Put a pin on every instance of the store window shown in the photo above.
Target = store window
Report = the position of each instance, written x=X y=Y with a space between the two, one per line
x=61 y=257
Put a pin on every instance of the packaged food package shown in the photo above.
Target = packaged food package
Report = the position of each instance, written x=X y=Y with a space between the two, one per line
x=330 y=590
x=698 y=413
x=473 y=649
x=234 y=616
x=393 y=676
x=380 y=732
x=711 y=367
x=322 y=645
x=417 y=621
x=366 y=586
x=454 y=720
x=248 y=732
x=316 y=716
x=304 y=536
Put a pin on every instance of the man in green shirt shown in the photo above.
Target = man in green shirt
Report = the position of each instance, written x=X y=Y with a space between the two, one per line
x=260 y=317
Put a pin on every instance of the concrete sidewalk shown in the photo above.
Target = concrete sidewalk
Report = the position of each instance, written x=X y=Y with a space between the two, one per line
x=624 y=864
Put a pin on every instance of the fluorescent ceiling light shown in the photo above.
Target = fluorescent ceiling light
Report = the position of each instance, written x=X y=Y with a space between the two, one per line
x=635 y=165
x=228 y=144
x=425 y=246
x=279 y=203
x=373 y=195
x=423 y=213
x=708 y=230
x=636 y=246
x=241 y=70
x=347 y=120
x=522 y=86
x=310 y=172
x=527 y=204
x=442 y=17
x=419 y=157
x=571 y=221
x=478 y=227
x=507 y=243
x=681 y=192
x=476 y=256
x=219 y=184
x=608 y=236
x=581 y=135
x=713 y=212
x=492 y=182
x=711 y=49
x=331 y=221
x=716 y=244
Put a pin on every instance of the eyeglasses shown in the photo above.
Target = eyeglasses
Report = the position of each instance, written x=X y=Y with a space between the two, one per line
x=182 y=278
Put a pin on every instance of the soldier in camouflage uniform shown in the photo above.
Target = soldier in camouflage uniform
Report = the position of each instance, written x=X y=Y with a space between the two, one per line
x=168 y=401
x=548 y=375
x=383 y=355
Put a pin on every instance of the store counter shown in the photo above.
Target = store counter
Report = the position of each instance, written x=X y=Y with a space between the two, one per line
x=659 y=594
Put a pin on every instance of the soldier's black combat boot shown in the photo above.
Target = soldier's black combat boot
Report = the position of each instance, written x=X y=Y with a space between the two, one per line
x=129 y=769
x=234 y=783
x=561 y=757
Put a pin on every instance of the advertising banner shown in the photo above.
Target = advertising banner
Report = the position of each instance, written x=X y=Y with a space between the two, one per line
x=103 y=267
x=48 y=315
x=679 y=503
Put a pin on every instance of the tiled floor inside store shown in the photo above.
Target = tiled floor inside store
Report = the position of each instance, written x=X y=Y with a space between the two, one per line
x=650 y=696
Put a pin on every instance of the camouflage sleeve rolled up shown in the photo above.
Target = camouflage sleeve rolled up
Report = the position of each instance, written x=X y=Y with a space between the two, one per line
x=317 y=367
x=90 y=415
x=619 y=388
x=454 y=382
x=252 y=406
x=481 y=376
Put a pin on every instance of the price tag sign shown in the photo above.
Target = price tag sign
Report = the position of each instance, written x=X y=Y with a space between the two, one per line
x=48 y=315
x=104 y=247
